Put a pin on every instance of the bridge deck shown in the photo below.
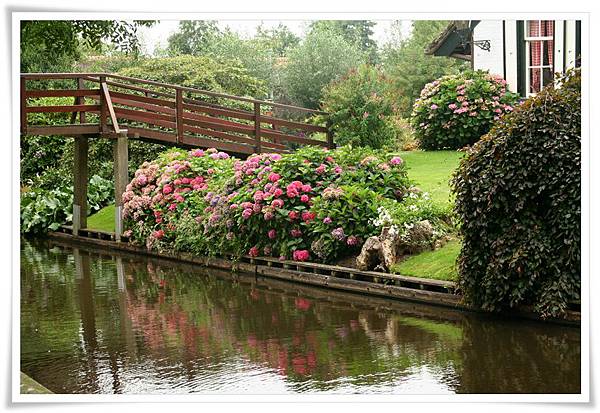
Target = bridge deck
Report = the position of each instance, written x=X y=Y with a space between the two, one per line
x=109 y=105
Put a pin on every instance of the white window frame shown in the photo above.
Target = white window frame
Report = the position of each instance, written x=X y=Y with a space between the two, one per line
x=528 y=67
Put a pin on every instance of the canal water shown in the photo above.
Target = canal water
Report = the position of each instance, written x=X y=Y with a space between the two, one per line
x=98 y=323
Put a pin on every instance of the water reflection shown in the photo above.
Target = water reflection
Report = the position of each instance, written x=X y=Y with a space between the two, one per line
x=119 y=324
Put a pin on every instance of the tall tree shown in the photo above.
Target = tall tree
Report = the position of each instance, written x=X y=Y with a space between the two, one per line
x=409 y=68
x=322 y=57
x=193 y=37
x=357 y=32
x=51 y=45
x=279 y=39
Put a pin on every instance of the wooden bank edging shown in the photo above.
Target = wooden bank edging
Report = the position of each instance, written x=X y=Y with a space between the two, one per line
x=435 y=292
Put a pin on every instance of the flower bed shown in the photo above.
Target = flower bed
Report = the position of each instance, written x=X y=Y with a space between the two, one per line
x=314 y=204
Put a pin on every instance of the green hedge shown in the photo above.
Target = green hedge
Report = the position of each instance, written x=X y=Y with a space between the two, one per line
x=518 y=195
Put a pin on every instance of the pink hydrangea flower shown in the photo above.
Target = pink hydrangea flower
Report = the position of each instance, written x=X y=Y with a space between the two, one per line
x=272 y=234
x=197 y=153
x=247 y=213
x=327 y=220
x=301 y=255
x=352 y=240
x=253 y=252
x=396 y=160
x=304 y=198
x=433 y=107
x=274 y=177
x=320 y=169
x=158 y=234
x=167 y=189
x=293 y=215
x=308 y=216
x=277 y=203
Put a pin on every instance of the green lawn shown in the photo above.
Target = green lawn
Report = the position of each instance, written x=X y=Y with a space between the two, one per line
x=103 y=220
x=438 y=265
x=432 y=170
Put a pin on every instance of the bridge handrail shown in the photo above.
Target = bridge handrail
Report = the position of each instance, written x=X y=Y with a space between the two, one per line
x=92 y=76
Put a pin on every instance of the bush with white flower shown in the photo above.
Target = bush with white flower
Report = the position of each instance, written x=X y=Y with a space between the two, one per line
x=455 y=111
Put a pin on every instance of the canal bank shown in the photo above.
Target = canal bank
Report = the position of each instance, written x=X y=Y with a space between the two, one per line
x=421 y=290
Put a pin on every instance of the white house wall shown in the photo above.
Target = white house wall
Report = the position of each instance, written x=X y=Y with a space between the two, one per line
x=510 y=51
x=492 y=60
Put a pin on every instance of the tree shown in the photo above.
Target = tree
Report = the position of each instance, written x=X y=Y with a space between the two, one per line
x=279 y=39
x=194 y=37
x=322 y=57
x=409 y=68
x=51 y=45
x=357 y=32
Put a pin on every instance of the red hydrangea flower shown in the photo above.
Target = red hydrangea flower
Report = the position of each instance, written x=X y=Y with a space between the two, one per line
x=253 y=252
x=301 y=255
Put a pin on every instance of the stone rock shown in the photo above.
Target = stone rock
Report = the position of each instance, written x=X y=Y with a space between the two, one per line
x=383 y=251
x=369 y=256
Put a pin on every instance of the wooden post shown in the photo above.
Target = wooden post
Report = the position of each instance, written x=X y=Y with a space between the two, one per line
x=103 y=107
x=80 y=183
x=257 y=147
x=121 y=157
x=330 y=142
x=23 y=106
x=81 y=101
x=179 y=114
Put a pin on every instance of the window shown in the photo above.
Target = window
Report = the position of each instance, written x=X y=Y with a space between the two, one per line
x=539 y=46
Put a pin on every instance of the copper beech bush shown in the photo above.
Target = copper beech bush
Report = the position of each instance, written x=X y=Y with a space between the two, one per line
x=518 y=197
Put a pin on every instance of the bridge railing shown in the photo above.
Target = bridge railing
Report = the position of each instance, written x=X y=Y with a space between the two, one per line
x=174 y=114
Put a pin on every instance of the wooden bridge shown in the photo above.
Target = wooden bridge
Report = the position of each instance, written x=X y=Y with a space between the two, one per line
x=120 y=107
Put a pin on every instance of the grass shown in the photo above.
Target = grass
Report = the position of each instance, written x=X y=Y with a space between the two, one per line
x=438 y=265
x=103 y=220
x=432 y=170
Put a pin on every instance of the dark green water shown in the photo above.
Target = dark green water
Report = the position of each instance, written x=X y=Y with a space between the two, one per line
x=125 y=324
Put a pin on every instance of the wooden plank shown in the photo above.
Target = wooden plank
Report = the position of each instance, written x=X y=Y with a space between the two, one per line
x=208 y=143
x=152 y=101
x=292 y=124
x=66 y=130
x=42 y=76
x=144 y=116
x=23 y=95
x=219 y=112
x=62 y=93
x=62 y=108
x=217 y=124
x=154 y=135
x=179 y=113
x=291 y=138
x=109 y=106
x=235 y=138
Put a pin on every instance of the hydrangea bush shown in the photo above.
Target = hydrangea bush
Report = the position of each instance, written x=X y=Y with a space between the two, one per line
x=455 y=111
x=314 y=204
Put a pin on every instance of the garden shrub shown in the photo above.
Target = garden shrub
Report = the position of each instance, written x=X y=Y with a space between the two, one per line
x=313 y=204
x=518 y=196
x=360 y=114
x=455 y=111
x=46 y=209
